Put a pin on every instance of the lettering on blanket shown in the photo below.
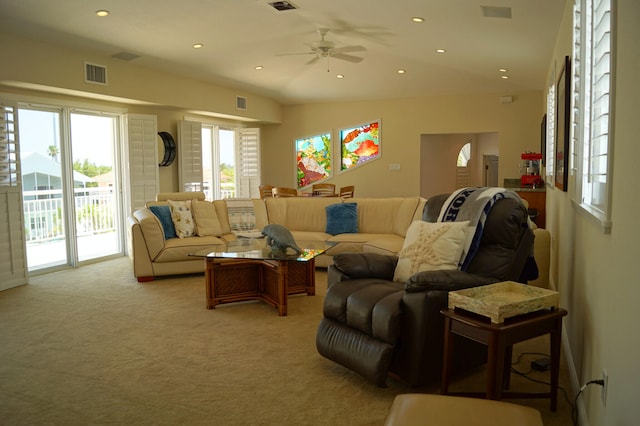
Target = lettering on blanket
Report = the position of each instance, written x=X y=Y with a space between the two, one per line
x=456 y=204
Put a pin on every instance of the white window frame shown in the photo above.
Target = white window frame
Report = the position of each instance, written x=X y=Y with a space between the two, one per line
x=594 y=75
x=247 y=155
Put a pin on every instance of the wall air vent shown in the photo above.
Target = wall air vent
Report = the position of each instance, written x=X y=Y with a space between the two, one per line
x=281 y=6
x=241 y=103
x=96 y=74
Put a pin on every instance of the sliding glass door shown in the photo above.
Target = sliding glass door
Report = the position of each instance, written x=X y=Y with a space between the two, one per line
x=70 y=191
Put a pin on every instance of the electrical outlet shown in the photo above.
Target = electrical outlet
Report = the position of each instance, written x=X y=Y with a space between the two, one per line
x=605 y=379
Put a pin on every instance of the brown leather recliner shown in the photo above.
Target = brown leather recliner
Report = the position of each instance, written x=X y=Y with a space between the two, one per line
x=375 y=326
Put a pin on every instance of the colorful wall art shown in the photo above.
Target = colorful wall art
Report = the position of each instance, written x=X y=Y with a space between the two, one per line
x=359 y=144
x=313 y=159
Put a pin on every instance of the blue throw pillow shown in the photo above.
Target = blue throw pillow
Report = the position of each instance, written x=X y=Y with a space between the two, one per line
x=163 y=213
x=342 y=218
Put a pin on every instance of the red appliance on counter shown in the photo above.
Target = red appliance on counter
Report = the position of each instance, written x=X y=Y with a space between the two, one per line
x=530 y=169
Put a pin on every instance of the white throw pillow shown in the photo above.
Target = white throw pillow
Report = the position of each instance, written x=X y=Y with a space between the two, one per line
x=182 y=218
x=205 y=218
x=429 y=247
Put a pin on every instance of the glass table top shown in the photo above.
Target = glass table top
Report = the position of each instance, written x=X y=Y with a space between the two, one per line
x=257 y=249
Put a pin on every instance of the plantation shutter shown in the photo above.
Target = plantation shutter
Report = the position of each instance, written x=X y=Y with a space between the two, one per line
x=143 y=159
x=248 y=163
x=595 y=192
x=190 y=156
x=13 y=253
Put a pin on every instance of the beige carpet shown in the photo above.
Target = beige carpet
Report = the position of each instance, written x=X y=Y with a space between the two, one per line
x=93 y=346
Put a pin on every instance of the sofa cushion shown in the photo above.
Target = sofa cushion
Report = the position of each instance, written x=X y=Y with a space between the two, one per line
x=429 y=247
x=163 y=213
x=206 y=219
x=342 y=218
x=182 y=218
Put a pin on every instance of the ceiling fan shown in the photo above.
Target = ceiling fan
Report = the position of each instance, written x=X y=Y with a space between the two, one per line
x=326 y=49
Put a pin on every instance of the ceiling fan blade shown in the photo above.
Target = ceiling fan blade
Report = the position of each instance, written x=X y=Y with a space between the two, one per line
x=347 y=49
x=296 y=53
x=313 y=60
x=349 y=58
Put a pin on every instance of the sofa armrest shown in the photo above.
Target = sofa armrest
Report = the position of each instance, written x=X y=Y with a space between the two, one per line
x=445 y=280
x=151 y=231
x=364 y=265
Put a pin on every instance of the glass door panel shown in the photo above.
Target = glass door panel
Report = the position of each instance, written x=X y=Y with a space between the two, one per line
x=93 y=139
x=42 y=186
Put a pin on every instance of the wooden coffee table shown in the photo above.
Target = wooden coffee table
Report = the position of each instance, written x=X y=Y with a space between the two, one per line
x=245 y=269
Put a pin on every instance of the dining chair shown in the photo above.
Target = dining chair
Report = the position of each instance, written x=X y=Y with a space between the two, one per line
x=266 y=191
x=323 y=189
x=347 y=191
x=284 y=192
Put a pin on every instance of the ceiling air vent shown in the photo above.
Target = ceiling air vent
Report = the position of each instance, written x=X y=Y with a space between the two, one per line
x=281 y=6
x=125 y=56
x=496 y=12
x=241 y=103
x=96 y=74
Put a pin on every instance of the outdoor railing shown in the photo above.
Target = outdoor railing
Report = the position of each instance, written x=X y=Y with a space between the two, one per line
x=95 y=212
x=43 y=212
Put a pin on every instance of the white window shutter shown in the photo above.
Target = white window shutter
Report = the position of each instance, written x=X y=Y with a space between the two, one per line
x=13 y=252
x=143 y=159
x=248 y=163
x=190 y=156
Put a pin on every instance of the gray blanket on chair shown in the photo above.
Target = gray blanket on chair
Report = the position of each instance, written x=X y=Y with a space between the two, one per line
x=474 y=205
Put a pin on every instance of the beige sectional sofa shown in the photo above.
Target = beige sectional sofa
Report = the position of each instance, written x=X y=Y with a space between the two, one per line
x=381 y=220
x=382 y=225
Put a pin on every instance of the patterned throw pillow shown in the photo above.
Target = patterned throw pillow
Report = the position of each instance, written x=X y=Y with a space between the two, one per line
x=182 y=218
x=430 y=247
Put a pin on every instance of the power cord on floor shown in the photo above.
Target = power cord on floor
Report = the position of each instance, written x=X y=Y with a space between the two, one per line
x=574 y=410
x=525 y=374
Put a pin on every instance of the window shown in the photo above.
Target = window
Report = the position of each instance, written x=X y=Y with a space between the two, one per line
x=313 y=159
x=359 y=145
x=464 y=155
x=221 y=160
x=593 y=83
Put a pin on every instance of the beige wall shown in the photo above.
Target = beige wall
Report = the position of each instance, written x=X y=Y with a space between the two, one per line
x=37 y=65
x=596 y=272
x=403 y=122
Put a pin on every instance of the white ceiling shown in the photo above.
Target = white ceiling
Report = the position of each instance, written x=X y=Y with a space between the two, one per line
x=239 y=35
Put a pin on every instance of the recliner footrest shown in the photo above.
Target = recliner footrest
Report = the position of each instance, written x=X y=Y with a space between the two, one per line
x=363 y=354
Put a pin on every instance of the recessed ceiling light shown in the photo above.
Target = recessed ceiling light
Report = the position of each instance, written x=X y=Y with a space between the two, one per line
x=503 y=70
x=440 y=50
x=402 y=71
x=102 y=13
x=259 y=67
x=504 y=77
x=339 y=76
x=198 y=45
x=417 y=19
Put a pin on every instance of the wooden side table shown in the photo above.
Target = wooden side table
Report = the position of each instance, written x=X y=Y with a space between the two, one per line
x=500 y=339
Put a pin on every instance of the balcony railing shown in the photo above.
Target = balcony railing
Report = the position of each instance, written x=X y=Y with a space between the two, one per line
x=94 y=207
x=43 y=213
